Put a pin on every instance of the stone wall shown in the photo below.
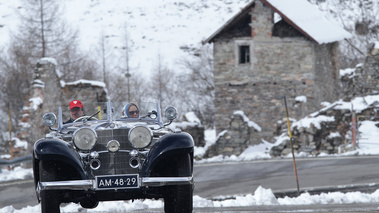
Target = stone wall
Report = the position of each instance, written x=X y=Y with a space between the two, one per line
x=317 y=137
x=239 y=135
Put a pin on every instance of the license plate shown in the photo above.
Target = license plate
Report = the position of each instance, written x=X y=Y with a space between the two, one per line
x=117 y=181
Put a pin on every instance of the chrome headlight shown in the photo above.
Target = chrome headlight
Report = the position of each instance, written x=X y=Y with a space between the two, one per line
x=140 y=136
x=171 y=113
x=49 y=119
x=85 y=138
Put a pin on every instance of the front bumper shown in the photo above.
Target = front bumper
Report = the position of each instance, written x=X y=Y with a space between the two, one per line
x=91 y=184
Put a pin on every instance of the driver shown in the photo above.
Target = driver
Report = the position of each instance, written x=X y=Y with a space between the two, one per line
x=76 y=111
x=130 y=111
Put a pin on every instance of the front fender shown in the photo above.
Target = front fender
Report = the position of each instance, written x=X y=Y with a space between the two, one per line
x=168 y=147
x=58 y=151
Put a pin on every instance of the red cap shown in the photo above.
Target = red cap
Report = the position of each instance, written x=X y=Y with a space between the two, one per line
x=76 y=103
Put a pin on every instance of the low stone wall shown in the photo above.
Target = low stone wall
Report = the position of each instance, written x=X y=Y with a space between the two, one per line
x=240 y=134
x=328 y=131
x=324 y=132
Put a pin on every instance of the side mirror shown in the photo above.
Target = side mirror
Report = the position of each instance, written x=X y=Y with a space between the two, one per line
x=49 y=119
x=153 y=114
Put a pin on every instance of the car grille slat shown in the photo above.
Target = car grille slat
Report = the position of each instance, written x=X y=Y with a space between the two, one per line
x=113 y=163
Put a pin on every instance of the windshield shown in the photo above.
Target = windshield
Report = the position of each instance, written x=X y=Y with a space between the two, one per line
x=108 y=111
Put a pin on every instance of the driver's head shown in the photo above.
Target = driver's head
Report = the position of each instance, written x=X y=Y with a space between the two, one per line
x=130 y=111
x=76 y=109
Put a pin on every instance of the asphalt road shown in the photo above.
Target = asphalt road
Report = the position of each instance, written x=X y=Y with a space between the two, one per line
x=279 y=175
x=244 y=177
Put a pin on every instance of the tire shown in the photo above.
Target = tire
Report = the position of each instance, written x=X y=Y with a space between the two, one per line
x=49 y=198
x=180 y=201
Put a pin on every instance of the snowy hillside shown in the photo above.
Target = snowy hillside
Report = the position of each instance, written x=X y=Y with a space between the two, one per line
x=154 y=28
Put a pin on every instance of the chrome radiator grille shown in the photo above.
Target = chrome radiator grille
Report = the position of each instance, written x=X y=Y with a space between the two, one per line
x=113 y=163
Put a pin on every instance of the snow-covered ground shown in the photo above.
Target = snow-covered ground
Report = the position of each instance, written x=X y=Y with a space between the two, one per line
x=261 y=196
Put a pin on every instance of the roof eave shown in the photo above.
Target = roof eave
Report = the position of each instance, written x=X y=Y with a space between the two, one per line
x=211 y=38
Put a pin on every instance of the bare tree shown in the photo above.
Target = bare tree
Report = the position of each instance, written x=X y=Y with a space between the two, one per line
x=197 y=85
x=103 y=55
x=48 y=35
x=126 y=82
x=162 y=83
x=360 y=18
x=119 y=89
x=42 y=33
x=126 y=50
x=16 y=69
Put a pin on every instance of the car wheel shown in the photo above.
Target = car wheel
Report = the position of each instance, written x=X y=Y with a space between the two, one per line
x=49 y=198
x=180 y=201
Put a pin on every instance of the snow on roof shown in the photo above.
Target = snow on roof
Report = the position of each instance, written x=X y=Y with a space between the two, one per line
x=309 y=19
x=48 y=60
x=301 y=15
x=83 y=81
x=38 y=83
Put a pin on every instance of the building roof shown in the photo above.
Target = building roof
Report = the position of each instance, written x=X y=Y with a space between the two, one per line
x=301 y=15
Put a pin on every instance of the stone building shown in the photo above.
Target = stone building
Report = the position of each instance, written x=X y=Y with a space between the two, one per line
x=269 y=50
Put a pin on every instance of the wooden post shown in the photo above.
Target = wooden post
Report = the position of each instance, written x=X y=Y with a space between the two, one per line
x=293 y=153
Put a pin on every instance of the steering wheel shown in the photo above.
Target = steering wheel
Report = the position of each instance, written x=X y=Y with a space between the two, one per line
x=85 y=117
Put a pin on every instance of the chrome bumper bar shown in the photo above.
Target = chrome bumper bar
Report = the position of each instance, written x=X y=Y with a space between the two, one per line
x=91 y=184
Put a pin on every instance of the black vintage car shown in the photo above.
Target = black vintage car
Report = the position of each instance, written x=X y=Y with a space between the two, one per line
x=106 y=157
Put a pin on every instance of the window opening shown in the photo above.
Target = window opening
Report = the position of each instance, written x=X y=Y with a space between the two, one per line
x=244 y=54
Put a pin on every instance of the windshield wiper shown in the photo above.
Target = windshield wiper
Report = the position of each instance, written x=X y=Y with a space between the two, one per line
x=93 y=115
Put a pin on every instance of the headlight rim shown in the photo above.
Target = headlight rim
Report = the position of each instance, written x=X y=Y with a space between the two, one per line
x=139 y=126
x=49 y=116
x=81 y=129
x=171 y=113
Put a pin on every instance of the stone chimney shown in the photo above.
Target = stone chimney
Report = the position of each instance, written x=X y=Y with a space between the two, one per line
x=261 y=21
